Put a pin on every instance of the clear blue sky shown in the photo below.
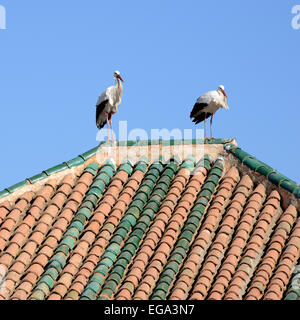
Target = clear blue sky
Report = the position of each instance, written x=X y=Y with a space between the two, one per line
x=58 y=56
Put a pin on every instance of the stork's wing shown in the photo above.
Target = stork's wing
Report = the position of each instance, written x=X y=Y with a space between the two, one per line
x=108 y=96
x=198 y=108
x=102 y=98
x=101 y=114
x=100 y=106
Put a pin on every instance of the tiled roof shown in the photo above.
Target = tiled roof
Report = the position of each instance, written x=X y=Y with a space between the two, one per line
x=176 y=227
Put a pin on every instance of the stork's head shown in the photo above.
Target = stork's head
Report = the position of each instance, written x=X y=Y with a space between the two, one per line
x=117 y=75
x=221 y=89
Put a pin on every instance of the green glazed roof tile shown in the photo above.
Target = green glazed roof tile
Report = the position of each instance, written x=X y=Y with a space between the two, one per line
x=125 y=225
x=78 y=225
x=137 y=203
x=121 y=232
x=4 y=193
x=75 y=162
x=101 y=179
x=141 y=196
x=88 y=205
x=43 y=287
x=118 y=239
x=190 y=158
x=54 y=264
x=115 y=278
x=114 y=248
x=217 y=171
x=176 y=257
x=214 y=179
x=210 y=186
x=92 y=168
x=63 y=248
x=107 y=170
x=95 y=191
x=187 y=235
x=205 y=193
x=131 y=219
x=17 y=186
x=126 y=167
x=81 y=218
x=107 y=262
x=169 y=173
x=134 y=240
x=95 y=286
x=109 y=162
x=163 y=286
x=119 y=270
x=180 y=251
x=190 y=226
x=109 y=287
x=168 y=275
x=130 y=248
x=87 y=155
x=292 y=296
x=110 y=255
x=48 y=280
x=56 y=169
x=37 y=177
x=88 y=294
x=145 y=189
x=127 y=255
x=93 y=198
x=52 y=272
x=121 y=262
x=183 y=243
x=100 y=270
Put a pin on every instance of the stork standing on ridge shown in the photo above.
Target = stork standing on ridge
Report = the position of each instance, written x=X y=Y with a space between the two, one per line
x=207 y=105
x=108 y=103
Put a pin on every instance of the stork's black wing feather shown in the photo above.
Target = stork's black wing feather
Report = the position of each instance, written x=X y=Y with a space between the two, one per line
x=200 y=117
x=99 y=110
x=197 y=108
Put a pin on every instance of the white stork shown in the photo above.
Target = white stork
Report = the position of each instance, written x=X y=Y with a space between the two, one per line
x=108 y=103
x=207 y=105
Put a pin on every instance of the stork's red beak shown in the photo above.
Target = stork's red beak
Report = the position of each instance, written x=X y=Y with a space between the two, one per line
x=224 y=93
x=120 y=78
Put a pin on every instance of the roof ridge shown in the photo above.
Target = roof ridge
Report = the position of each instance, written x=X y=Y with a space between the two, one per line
x=258 y=166
x=82 y=158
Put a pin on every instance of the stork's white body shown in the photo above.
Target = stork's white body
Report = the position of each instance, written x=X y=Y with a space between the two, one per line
x=109 y=101
x=113 y=95
x=207 y=105
x=214 y=100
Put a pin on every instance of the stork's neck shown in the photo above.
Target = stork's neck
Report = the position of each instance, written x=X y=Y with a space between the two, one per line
x=119 y=86
x=222 y=96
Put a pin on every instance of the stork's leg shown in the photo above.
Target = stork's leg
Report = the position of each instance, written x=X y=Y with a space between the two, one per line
x=108 y=138
x=112 y=135
x=211 y=119
x=205 y=126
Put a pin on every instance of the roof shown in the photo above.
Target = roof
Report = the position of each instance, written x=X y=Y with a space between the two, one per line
x=163 y=220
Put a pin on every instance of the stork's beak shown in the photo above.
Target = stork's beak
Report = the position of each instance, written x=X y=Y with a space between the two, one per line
x=120 y=78
x=224 y=93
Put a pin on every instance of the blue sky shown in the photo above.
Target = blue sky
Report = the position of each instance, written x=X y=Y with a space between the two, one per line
x=58 y=56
